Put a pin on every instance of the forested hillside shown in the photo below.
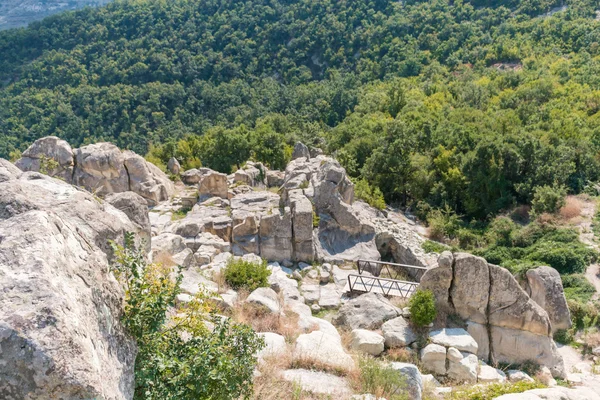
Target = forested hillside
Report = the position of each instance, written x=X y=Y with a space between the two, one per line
x=469 y=106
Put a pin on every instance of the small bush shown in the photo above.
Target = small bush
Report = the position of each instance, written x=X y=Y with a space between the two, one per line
x=178 y=357
x=548 y=199
x=434 y=247
x=501 y=231
x=370 y=194
x=578 y=288
x=315 y=219
x=241 y=274
x=443 y=223
x=422 y=307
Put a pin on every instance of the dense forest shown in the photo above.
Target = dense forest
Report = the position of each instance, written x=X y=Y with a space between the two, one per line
x=468 y=106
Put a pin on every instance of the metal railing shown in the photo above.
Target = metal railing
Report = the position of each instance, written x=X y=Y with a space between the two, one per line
x=387 y=287
x=401 y=272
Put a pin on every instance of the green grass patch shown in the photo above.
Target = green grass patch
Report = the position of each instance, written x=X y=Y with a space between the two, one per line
x=492 y=391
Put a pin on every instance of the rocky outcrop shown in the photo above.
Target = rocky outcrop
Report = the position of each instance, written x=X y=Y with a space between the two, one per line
x=173 y=166
x=38 y=155
x=100 y=168
x=544 y=286
x=8 y=170
x=60 y=308
x=300 y=151
x=136 y=209
x=212 y=184
x=506 y=323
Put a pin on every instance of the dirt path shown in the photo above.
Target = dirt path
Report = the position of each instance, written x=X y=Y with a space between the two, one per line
x=586 y=235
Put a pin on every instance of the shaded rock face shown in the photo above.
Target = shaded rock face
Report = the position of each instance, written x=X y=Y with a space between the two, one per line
x=60 y=308
x=544 y=286
x=136 y=209
x=506 y=323
x=100 y=168
x=319 y=185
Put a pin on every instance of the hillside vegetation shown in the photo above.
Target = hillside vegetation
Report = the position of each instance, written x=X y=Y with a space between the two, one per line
x=435 y=103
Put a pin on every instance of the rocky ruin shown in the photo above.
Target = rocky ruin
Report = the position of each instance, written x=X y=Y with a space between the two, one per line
x=304 y=221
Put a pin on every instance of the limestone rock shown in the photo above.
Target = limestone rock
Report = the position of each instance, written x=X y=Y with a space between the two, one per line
x=433 y=358
x=414 y=381
x=489 y=374
x=275 y=233
x=265 y=297
x=558 y=393
x=146 y=179
x=470 y=287
x=212 y=184
x=367 y=342
x=274 y=345
x=454 y=337
x=300 y=150
x=324 y=349
x=48 y=148
x=173 y=166
x=100 y=169
x=194 y=175
x=465 y=370
x=518 y=376
x=329 y=297
x=320 y=383
x=544 y=286
x=136 y=208
x=454 y=355
x=60 y=308
x=302 y=222
x=367 y=311
x=275 y=178
x=398 y=333
x=439 y=279
x=8 y=170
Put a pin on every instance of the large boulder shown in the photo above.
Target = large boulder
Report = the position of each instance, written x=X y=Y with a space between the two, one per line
x=60 y=307
x=544 y=286
x=300 y=151
x=506 y=323
x=100 y=169
x=302 y=222
x=47 y=151
x=366 y=341
x=136 y=209
x=146 y=179
x=367 y=311
x=398 y=333
x=413 y=378
x=212 y=184
x=173 y=166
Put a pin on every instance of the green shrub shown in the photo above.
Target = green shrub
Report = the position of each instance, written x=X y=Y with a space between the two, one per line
x=370 y=194
x=443 y=223
x=315 y=219
x=240 y=274
x=422 y=307
x=381 y=380
x=548 y=199
x=564 y=257
x=578 y=288
x=430 y=246
x=489 y=392
x=180 y=359
x=501 y=230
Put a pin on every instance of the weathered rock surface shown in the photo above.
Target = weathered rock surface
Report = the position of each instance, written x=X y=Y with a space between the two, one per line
x=555 y=393
x=454 y=337
x=45 y=149
x=212 y=184
x=136 y=209
x=414 y=381
x=173 y=166
x=433 y=358
x=398 y=333
x=274 y=345
x=544 y=286
x=60 y=308
x=366 y=341
x=8 y=170
x=367 y=311
x=318 y=382
x=506 y=323
x=265 y=297
x=100 y=168
x=324 y=349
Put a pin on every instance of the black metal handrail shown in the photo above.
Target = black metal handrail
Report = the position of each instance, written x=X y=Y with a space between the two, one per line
x=388 y=287
x=391 y=270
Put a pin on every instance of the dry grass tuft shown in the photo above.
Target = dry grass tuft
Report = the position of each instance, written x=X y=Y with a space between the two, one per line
x=572 y=208
x=401 y=354
x=262 y=320
x=165 y=259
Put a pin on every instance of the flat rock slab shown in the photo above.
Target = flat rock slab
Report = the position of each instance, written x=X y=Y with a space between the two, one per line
x=318 y=382
x=454 y=337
